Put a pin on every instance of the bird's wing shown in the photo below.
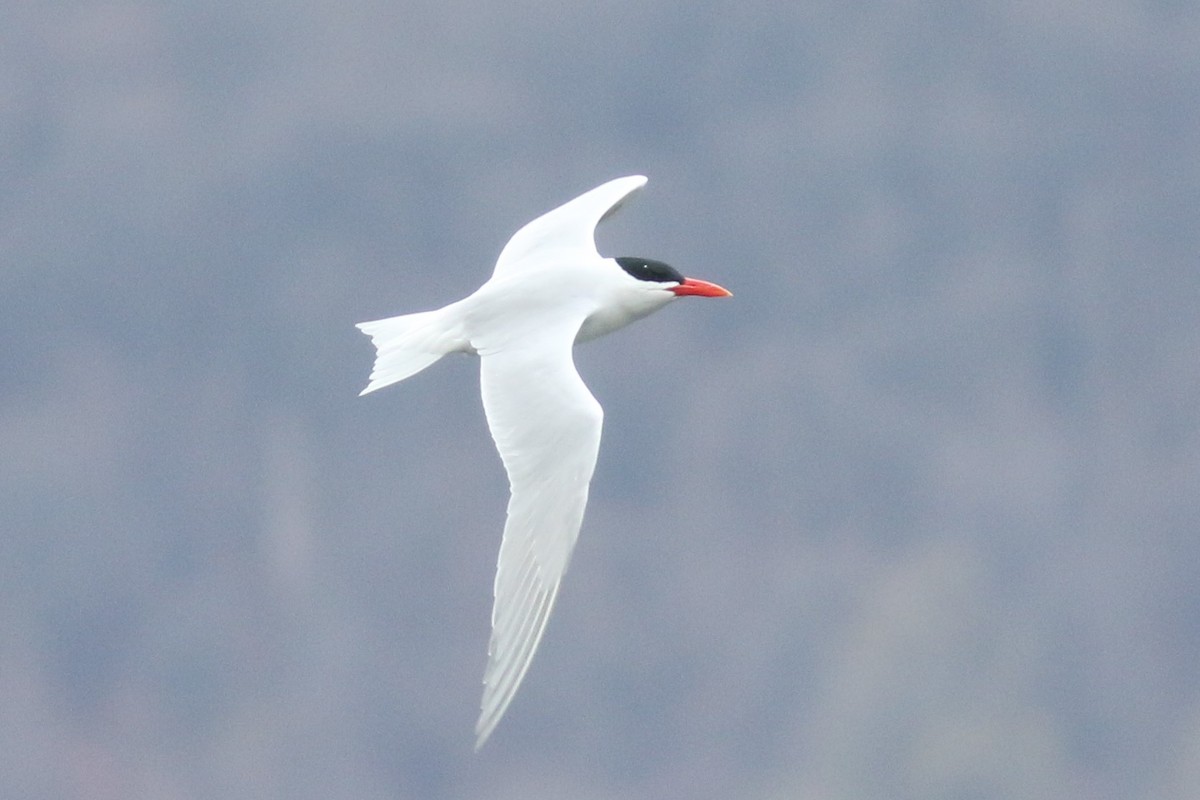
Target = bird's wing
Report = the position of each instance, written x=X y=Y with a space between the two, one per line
x=546 y=425
x=567 y=232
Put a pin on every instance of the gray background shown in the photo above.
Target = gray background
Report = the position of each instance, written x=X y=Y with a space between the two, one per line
x=914 y=515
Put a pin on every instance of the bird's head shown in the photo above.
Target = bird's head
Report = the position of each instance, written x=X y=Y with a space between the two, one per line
x=640 y=287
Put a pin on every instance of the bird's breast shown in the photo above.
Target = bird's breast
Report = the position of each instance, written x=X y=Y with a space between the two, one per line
x=604 y=321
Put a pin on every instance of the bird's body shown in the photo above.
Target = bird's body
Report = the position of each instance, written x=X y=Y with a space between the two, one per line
x=550 y=289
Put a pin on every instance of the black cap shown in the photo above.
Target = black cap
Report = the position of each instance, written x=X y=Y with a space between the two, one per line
x=647 y=269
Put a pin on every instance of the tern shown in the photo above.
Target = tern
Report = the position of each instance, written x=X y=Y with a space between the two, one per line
x=550 y=290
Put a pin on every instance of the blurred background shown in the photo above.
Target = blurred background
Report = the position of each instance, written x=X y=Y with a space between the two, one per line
x=914 y=515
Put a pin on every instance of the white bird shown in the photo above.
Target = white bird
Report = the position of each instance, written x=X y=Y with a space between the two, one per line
x=550 y=290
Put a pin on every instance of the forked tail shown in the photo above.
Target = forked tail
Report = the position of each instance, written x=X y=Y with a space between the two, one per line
x=407 y=344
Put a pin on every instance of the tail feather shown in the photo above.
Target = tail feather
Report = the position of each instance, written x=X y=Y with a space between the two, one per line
x=407 y=344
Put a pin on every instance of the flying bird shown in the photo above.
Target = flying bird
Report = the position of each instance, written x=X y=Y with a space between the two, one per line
x=550 y=290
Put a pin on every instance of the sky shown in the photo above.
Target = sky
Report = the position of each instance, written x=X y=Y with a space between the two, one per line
x=912 y=515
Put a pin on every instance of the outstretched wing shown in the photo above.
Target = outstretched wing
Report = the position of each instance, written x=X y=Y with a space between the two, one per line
x=546 y=425
x=566 y=232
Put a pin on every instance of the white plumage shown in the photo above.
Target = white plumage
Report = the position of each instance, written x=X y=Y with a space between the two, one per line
x=550 y=289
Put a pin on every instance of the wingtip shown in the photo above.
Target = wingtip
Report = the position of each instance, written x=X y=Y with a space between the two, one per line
x=483 y=730
x=373 y=385
x=630 y=183
x=487 y=722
